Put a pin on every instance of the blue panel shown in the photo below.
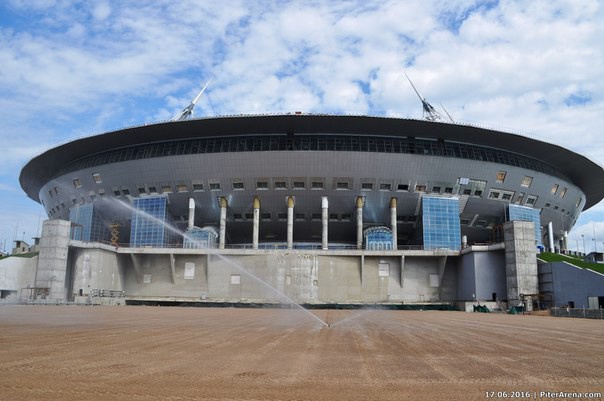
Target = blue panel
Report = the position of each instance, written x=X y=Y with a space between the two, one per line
x=87 y=224
x=150 y=224
x=440 y=223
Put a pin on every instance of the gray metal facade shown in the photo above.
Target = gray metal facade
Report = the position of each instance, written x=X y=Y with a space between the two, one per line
x=484 y=187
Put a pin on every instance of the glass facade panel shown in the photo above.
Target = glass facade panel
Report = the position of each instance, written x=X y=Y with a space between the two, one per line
x=378 y=238
x=440 y=223
x=150 y=223
x=87 y=225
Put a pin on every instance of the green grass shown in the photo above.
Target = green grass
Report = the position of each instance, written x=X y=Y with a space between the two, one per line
x=573 y=260
x=21 y=255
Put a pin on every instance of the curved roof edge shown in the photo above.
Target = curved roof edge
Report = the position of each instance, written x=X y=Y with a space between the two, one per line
x=584 y=173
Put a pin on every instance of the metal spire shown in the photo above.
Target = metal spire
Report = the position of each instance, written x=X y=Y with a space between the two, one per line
x=187 y=111
x=430 y=112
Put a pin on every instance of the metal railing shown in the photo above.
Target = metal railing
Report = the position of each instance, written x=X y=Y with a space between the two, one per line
x=583 y=313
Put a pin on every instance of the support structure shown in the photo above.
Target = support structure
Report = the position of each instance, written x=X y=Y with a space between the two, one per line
x=256 y=222
x=222 y=233
x=290 y=222
x=324 y=221
x=550 y=237
x=393 y=223
x=359 y=222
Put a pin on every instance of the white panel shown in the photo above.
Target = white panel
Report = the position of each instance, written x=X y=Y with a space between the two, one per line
x=189 y=270
x=383 y=270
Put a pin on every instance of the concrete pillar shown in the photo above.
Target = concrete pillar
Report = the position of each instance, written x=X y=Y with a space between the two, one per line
x=52 y=272
x=324 y=221
x=393 y=223
x=223 y=210
x=290 y=222
x=191 y=213
x=565 y=241
x=550 y=236
x=520 y=262
x=359 y=222
x=256 y=222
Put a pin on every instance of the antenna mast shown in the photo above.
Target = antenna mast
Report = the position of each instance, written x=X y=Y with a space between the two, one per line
x=187 y=111
x=430 y=112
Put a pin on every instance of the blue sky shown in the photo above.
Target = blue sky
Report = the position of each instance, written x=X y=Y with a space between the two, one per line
x=70 y=69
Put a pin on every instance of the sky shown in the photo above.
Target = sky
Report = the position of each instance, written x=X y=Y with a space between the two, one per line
x=70 y=69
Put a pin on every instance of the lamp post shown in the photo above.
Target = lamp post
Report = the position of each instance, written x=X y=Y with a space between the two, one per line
x=583 y=236
x=593 y=226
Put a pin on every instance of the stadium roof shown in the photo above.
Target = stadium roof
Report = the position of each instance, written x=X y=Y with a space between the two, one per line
x=586 y=174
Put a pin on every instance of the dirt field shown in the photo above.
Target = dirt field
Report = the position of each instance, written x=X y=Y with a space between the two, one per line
x=161 y=353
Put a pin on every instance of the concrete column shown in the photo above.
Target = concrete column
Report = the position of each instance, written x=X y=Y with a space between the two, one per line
x=324 y=221
x=359 y=222
x=393 y=223
x=550 y=236
x=256 y=222
x=565 y=241
x=290 y=222
x=223 y=210
x=52 y=271
x=191 y=213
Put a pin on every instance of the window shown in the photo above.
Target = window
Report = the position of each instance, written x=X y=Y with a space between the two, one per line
x=317 y=185
x=280 y=184
x=347 y=217
x=125 y=191
x=436 y=189
x=467 y=191
x=282 y=216
x=299 y=184
x=449 y=190
x=237 y=216
x=402 y=187
x=333 y=217
x=181 y=188
x=300 y=217
x=167 y=189
x=238 y=185
x=116 y=192
x=316 y=217
x=197 y=187
x=249 y=216
x=501 y=177
x=97 y=178
x=265 y=216
x=520 y=197
x=152 y=189
x=478 y=193
x=261 y=184
x=526 y=181
x=342 y=185
x=531 y=200
x=420 y=188
x=142 y=190
x=214 y=186
x=555 y=189
x=563 y=192
x=77 y=183
x=56 y=189
x=366 y=186
x=385 y=187
x=506 y=196
x=494 y=195
x=578 y=202
x=547 y=204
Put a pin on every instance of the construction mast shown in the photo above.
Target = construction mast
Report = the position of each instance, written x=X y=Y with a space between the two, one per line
x=429 y=111
x=187 y=111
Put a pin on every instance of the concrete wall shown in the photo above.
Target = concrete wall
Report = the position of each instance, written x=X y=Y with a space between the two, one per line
x=16 y=273
x=568 y=283
x=520 y=261
x=52 y=260
x=94 y=269
x=281 y=276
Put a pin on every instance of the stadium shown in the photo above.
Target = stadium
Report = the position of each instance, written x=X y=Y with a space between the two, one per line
x=316 y=209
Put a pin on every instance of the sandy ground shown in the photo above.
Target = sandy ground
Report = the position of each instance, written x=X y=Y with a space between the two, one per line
x=161 y=353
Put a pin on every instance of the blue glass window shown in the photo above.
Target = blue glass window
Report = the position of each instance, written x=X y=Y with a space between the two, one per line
x=440 y=223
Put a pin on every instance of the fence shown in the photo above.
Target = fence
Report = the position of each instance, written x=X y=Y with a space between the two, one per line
x=584 y=313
